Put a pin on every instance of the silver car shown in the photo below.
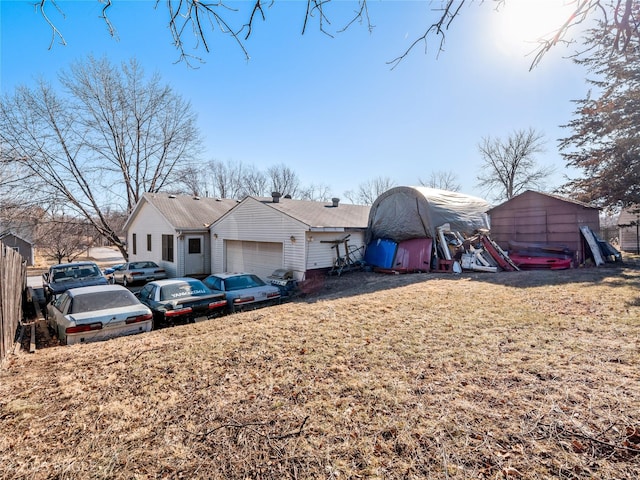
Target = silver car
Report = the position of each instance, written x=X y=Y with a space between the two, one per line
x=138 y=272
x=89 y=314
x=244 y=291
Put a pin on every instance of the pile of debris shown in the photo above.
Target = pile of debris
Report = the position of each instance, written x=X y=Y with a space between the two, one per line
x=477 y=253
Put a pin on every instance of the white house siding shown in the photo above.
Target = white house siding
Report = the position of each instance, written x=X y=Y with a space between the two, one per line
x=321 y=255
x=255 y=222
x=149 y=221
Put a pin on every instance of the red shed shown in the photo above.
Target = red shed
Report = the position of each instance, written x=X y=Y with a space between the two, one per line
x=538 y=217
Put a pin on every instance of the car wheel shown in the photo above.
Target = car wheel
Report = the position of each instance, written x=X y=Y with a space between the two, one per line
x=124 y=281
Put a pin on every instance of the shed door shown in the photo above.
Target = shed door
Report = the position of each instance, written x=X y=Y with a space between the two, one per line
x=261 y=258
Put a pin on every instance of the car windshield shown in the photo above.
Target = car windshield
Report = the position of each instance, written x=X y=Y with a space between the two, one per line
x=242 y=281
x=89 y=302
x=133 y=266
x=183 y=289
x=75 y=272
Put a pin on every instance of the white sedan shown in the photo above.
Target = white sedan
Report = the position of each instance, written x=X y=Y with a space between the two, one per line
x=89 y=314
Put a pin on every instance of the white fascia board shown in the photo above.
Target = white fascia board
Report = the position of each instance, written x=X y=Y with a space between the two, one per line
x=326 y=229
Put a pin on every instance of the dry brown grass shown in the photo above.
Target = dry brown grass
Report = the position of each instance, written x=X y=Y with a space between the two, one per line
x=513 y=375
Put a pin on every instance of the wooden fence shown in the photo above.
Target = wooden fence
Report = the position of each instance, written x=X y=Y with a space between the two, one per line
x=13 y=282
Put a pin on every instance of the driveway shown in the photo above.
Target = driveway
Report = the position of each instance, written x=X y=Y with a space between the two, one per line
x=105 y=255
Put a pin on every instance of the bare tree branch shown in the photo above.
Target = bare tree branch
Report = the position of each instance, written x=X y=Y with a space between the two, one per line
x=54 y=30
x=369 y=190
x=509 y=166
x=443 y=180
x=449 y=13
x=202 y=18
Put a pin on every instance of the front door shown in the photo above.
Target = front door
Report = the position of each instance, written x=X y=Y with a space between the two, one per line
x=194 y=255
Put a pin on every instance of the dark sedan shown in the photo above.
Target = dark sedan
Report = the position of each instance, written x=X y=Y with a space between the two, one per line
x=181 y=300
x=64 y=276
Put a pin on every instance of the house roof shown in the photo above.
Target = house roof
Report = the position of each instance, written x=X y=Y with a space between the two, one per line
x=318 y=215
x=545 y=194
x=184 y=212
x=629 y=216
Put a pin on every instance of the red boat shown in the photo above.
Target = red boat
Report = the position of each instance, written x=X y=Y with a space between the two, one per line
x=525 y=262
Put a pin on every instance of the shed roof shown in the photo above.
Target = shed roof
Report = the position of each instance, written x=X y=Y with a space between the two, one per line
x=184 y=211
x=531 y=193
x=19 y=233
x=629 y=216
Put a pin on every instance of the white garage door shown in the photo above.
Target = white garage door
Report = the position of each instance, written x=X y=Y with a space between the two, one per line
x=261 y=258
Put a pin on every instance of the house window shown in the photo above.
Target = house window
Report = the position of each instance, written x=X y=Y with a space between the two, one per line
x=134 y=246
x=195 y=245
x=167 y=248
x=148 y=242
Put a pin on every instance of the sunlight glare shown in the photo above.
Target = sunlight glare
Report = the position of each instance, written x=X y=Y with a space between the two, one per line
x=519 y=24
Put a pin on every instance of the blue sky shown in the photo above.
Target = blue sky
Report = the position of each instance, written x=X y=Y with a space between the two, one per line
x=332 y=109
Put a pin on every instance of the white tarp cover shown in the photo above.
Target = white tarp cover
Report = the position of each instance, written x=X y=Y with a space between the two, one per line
x=403 y=213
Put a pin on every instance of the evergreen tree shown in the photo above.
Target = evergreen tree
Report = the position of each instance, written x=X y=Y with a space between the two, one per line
x=605 y=140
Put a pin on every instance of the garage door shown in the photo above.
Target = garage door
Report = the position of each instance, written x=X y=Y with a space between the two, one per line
x=261 y=258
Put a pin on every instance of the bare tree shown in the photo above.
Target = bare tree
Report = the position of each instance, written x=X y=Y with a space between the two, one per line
x=283 y=180
x=316 y=192
x=443 y=180
x=255 y=183
x=62 y=237
x=509 y=166
x=191 y=182
x=229 y=179
x=198 y=20
x=370 y=190
x=110 y=136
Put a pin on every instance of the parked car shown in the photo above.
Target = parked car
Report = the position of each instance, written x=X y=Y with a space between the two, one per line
x=181 y=300
x=244 y=291
x=100 y=312
x=133 y=272
x=70 y=275
x=108 y=272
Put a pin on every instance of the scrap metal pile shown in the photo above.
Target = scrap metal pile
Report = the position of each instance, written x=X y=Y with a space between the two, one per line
x=477 y=252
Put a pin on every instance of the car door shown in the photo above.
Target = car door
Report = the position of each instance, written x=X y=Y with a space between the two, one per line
x=56 y=312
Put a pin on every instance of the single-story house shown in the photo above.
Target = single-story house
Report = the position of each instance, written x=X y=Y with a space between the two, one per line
x=21 y=245
x=261 y=235
x=544 y=218
x=173 y=231
x=629 y=229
